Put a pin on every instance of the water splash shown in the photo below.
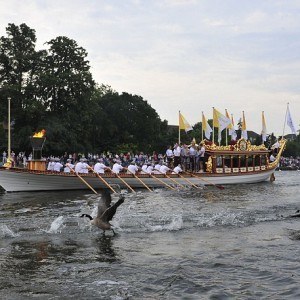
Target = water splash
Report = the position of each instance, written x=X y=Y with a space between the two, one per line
x=176 y=224
x=5 y=231
x=57 y=225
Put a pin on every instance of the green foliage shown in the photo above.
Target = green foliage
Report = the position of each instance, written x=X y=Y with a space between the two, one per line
x=54 y=90
x=292 y=148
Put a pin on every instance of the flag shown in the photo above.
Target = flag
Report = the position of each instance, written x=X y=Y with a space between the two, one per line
x=220 y=121
x=244 y=128
x=183 y=123
x=289 y=120
x=205 y=127
x=230 y=127
x=264 y=128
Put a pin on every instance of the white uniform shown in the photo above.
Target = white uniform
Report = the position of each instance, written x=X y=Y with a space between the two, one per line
x=81 y=167
x=117 y=168
x=67 y=168
x=99 y=168
x=164 y=169
x=177 y=170
x=50 y=166
x=132 y=169
x=57 y=166
x=149 y=169
x=144 y=169
x=157 y=168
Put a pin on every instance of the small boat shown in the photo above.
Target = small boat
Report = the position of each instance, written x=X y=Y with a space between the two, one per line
x=233 y=164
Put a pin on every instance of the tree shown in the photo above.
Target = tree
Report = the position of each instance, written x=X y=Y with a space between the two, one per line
x=19 y=64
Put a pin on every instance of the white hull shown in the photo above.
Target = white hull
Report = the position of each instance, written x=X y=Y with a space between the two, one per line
x=13 y=180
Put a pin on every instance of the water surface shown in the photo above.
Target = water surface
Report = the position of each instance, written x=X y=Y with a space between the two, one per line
x=234 y=243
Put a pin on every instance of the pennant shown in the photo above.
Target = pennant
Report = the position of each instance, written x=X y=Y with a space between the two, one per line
x=244 y=128
x=183 y=123
x=205 y=127
x=289 y=120
x=264 y=128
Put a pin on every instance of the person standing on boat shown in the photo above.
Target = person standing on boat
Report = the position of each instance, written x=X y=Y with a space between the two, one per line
x=4 y=158
x=169 y=154
x=272 y=157
x=117 y=167
x=177 y=169
x=192 y=157
x=201 y=156
x=176 y=153
x=100 y=167
x=57 y=165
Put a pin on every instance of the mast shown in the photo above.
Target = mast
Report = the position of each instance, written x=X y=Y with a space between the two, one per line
x=213 y=137
x=287 y=106
x=202 y=128
x=179 y=129
x=8 y=133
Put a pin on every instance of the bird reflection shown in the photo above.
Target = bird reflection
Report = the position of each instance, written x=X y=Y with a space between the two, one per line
x=105 y=250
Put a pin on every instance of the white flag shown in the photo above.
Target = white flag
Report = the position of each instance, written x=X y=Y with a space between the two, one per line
x=264 y=128
x=205 y=127
x=289 y=121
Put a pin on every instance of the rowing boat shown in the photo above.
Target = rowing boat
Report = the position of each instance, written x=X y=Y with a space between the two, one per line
x=234 y=164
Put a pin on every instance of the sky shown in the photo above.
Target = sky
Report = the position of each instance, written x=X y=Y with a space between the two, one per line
x=185 y=55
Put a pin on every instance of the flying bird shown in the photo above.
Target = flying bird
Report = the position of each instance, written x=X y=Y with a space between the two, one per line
x=106 y=211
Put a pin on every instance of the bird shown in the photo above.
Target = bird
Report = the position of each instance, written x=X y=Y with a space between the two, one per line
x=106 y=211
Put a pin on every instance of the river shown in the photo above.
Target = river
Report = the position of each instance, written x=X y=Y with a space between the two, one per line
x=235 y=243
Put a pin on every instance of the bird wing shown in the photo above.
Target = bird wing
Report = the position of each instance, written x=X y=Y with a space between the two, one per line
x=104 y=202
x=110 y=211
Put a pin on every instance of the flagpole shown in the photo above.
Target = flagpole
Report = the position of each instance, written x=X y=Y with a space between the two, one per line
x=213 y=138
x=262 y=122
x=8 y=133
x=287 y=106
x=226 y=114
x=202 y=128
x=179 y=128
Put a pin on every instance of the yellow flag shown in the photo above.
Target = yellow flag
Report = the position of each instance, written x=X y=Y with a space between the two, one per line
x=220 y=120
x=184 y=124
x=244 y=128
x=230 y=126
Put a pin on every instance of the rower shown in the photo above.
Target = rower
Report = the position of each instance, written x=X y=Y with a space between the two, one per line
x=117 y=167
x=164 y=168
x=132 y=168
x=177 y=169
x=100 y=167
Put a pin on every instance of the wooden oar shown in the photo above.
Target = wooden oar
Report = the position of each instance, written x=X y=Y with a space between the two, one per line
x=220 y=187
x=82 y=179
x=170 y=178
x=103 y=180
x=158 y=179
x=195 y=186
x=139 y=179
x=123 y=181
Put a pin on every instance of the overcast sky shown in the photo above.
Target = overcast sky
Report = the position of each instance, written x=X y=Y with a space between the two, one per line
x=183 y=55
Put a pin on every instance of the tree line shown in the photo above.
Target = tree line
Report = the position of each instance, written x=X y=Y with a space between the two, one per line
x=53 y=89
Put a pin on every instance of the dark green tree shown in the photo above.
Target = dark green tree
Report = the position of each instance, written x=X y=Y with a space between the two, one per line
x=19 y=65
